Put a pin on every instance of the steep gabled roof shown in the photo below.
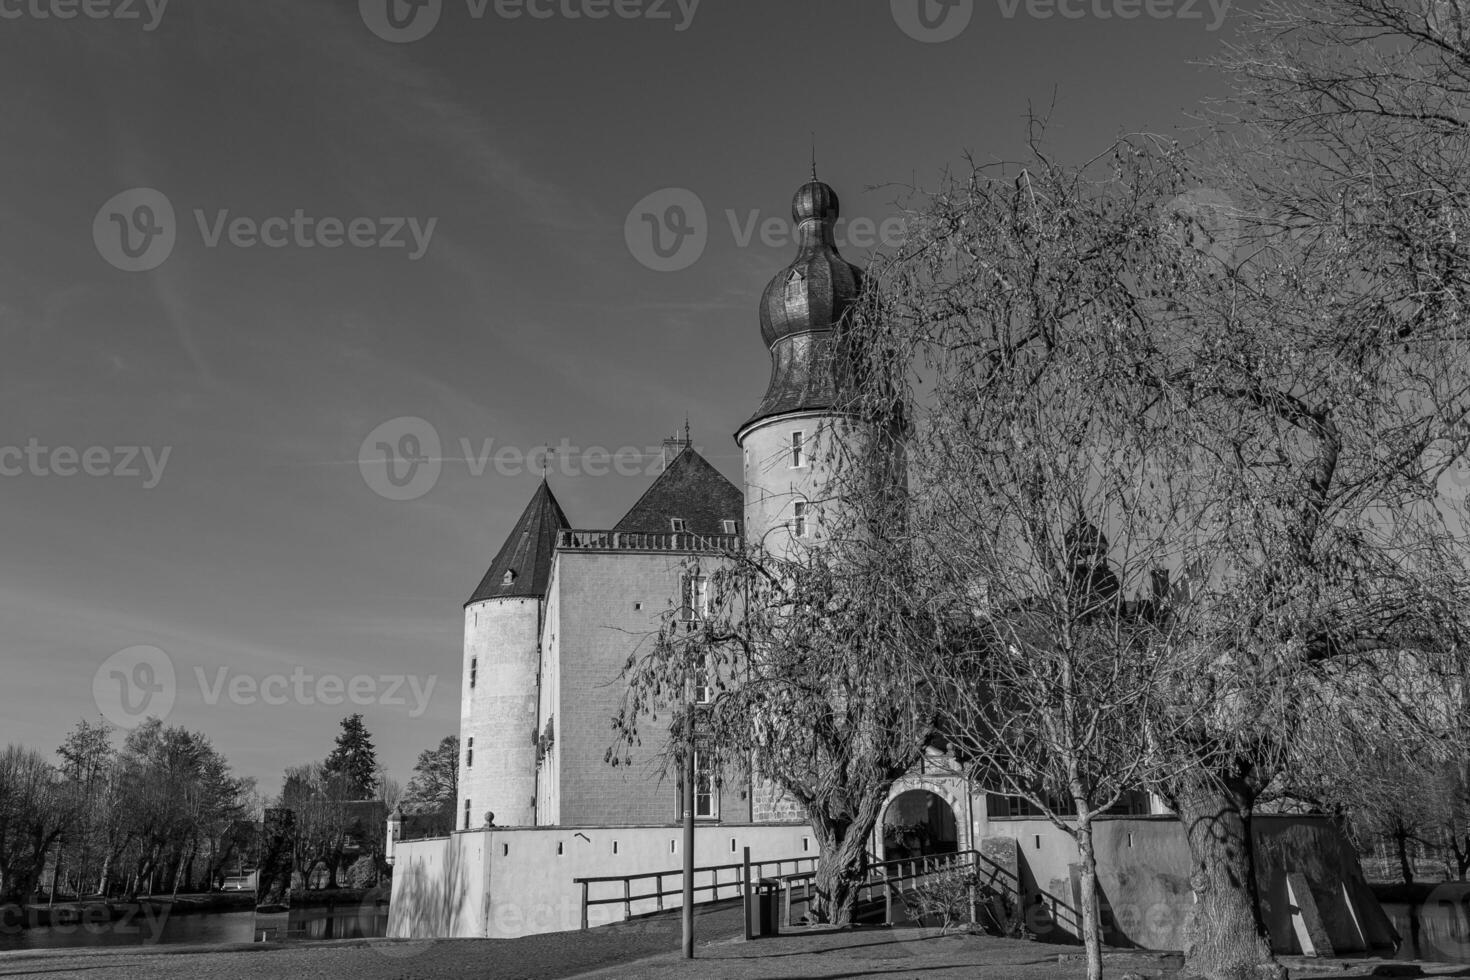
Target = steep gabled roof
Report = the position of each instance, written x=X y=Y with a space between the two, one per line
x=527 y=553
x=691 y=490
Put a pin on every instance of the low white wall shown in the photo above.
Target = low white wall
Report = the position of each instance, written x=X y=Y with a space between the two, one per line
x=501 y=883
x=439 y=888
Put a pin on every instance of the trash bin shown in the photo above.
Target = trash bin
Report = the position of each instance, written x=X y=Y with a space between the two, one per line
x=768 y=907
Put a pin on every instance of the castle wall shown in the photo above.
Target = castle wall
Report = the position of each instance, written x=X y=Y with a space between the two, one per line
x=504 y=883
x=610 y=606
x=498 y=711
x=1143 y=875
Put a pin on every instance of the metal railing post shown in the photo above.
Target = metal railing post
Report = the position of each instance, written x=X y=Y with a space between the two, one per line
x=659 y=887
x=627 y=898
x=584 y=906
x=747 y=894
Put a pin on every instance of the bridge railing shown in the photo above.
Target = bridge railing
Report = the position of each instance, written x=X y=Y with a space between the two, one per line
x=738 y=885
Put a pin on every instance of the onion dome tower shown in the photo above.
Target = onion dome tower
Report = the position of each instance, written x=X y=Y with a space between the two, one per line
x=502 y=647
x=802 y=311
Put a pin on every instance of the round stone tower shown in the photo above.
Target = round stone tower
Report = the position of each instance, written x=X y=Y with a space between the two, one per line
x=786 y=441
x=502 y=659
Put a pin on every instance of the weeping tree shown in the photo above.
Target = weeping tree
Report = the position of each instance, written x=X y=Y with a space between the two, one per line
x=801 y=658
x=1291 y=421
x=1051 y=495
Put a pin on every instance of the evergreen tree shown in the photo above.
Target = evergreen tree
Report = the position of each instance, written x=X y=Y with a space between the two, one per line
x=354 y=758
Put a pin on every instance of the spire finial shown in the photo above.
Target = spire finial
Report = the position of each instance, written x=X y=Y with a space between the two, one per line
x=688 y=440
x=814 y=156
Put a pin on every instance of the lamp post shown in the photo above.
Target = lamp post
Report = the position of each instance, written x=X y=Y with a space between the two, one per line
x=688 y=911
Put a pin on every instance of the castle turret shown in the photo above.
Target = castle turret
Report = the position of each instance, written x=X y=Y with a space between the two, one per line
x=498 y=706
x=801 y=312
x=786 y=441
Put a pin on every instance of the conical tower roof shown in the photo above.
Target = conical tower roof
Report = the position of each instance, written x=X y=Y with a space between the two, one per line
x=522 y=569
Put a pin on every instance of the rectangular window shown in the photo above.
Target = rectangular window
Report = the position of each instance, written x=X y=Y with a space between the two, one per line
x=798 y=449
x=469 y=755
x=798 y=524
x=474 y=671
x=704 y=691
x=696 y=598
x=466 y=814
x=706 y=802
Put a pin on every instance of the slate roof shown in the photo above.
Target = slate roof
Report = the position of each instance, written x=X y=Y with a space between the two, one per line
x=690 y=489
x=527 y=553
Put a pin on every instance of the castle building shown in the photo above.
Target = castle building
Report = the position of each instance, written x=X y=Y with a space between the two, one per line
x=560 y=611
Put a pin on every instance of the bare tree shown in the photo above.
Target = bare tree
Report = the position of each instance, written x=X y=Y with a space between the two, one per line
x=806 y=661
x=1296 y=423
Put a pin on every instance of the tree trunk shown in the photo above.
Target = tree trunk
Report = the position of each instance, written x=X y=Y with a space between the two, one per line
x=842 y=850
x=1224 y=937
x=1091 y=924
x=1401 y=844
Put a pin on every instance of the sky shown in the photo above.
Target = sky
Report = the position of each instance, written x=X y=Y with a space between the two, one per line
x=245 y=246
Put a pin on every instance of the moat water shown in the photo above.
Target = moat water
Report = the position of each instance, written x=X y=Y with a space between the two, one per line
x=154 y=927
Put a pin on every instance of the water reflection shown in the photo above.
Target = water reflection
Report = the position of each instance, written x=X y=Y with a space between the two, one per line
x=1437 y=930
x=145 y=927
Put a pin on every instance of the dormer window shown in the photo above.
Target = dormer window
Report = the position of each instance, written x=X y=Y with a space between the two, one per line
x=510 y=577
x=798 y=449
x=677 y=523
x=728 y=527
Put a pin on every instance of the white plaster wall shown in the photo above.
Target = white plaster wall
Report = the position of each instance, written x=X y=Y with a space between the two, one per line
x=440 y=888
x=499 y=712
x=503 y=883
x=773 y=485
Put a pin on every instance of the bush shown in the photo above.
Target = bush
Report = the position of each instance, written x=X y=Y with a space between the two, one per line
x=944 y=895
